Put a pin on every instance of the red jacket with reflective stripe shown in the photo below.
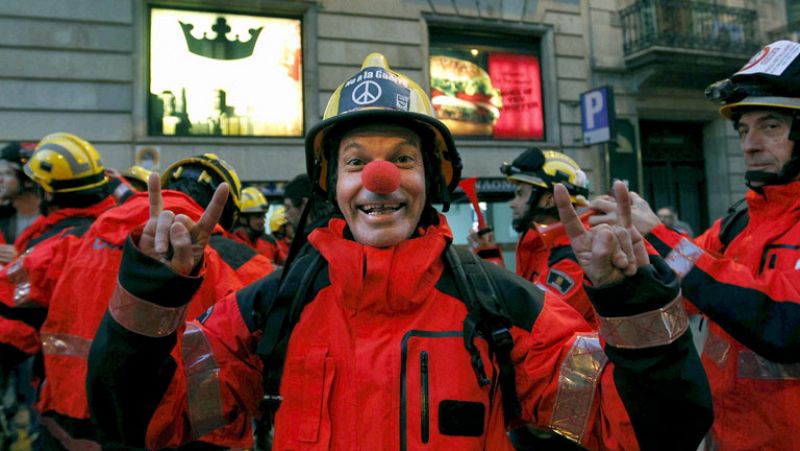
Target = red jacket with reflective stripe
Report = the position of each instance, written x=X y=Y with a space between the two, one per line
x=546 y=258
x=22 y=310
x=377 y=361
x=751 y=294
x=80 y=297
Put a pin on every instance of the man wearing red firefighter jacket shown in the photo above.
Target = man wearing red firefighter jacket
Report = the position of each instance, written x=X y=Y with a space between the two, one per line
x=743 y=273
x=76 y=279
x=386 y=351
x=69 y=172
x=544 y=255
x=252 y=226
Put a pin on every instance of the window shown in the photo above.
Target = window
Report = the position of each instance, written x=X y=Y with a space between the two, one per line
x=484 y=86
x=223 y=74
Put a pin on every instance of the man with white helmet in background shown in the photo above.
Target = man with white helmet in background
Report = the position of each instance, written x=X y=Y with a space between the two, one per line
x=380 y=335
x=281 y=229
x=251 y=229
x=743 y=273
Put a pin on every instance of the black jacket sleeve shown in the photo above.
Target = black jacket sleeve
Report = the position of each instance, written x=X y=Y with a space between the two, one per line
x=129 y=373
x=664 y=388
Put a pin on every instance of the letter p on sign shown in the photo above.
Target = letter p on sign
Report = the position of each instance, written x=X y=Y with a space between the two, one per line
x=597 y=114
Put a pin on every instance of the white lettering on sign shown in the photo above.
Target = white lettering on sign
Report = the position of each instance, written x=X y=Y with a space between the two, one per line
x=772 y=59
x=592 y=104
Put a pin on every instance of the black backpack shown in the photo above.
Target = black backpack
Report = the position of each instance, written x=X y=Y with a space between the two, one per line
x=486 y=317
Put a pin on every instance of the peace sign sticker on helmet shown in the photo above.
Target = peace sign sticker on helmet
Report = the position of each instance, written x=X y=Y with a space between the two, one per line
x=772 y=59
x=374 y=87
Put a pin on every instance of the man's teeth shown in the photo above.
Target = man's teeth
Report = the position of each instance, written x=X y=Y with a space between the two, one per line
x=379 y=209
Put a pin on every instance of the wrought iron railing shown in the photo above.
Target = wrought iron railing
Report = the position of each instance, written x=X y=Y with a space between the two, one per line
x=688 y=24
x=789 y=32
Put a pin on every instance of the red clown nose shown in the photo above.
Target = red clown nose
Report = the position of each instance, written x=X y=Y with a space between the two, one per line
x=380 y=177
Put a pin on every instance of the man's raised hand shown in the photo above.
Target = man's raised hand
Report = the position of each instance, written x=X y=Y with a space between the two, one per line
x=176 y=240
x=606 y=253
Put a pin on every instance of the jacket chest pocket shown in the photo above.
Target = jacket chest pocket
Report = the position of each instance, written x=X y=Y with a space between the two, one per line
x=304 y=418
x=780 y=256
x=442 y=406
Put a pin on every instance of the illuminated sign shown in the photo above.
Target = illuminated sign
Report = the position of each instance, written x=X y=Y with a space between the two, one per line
x=215 y=74
x=487 y=93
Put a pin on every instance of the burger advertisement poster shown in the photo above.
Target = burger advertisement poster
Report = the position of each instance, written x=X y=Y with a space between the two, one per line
x=488 y=94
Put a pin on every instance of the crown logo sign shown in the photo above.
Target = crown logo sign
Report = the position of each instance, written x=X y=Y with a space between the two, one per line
x=220 y=48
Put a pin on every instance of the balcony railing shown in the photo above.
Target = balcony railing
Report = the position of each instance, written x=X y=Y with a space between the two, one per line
x=684 y=24
x=790 y=32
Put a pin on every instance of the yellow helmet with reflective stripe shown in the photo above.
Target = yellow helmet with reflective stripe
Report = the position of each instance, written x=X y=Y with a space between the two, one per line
x=253 y=201
x=137 y=173
x=209 y=169
x=546 y=168
x=277 y=219
x=64 y=163
x=378 y=94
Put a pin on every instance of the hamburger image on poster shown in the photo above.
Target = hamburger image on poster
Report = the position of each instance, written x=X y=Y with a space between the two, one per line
x=463 y=96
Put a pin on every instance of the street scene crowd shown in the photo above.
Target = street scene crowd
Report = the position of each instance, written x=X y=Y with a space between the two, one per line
x=146 y=310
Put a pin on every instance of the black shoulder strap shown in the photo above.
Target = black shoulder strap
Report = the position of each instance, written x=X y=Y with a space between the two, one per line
x=485 y=315
x=233 y=253
x=280 y=319
x=733 y=223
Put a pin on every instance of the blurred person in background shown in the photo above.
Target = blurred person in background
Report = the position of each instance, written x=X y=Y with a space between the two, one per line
x=19 y=197
x=669 y=218
x=251 y=229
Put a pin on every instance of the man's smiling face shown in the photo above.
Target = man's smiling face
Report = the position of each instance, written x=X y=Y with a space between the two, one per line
x=380 y=220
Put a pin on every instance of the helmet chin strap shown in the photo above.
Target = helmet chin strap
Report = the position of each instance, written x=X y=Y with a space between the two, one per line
x=790 y=169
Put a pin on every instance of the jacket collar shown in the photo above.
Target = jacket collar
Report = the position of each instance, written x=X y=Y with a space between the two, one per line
x=45 y=223
x=382 y=281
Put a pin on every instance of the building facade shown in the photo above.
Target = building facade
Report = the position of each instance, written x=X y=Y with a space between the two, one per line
x=103 y=69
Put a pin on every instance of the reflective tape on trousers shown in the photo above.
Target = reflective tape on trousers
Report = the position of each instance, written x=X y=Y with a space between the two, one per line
x=645 y=330
x=144 y=317
x=577 y=384
x=202 y=382
x=682 y=258
x=65 y=344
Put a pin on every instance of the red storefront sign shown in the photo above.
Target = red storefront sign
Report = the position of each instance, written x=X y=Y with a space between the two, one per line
x=518 y=77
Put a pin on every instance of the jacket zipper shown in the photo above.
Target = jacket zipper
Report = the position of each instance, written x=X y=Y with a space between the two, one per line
x=423 y=368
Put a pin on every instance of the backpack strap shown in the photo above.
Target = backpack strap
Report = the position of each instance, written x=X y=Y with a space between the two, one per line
x=734 y=222
x=279 y=320
x=485 y=316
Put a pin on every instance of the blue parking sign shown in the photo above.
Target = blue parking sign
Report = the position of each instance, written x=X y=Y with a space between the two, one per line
x=598 y=115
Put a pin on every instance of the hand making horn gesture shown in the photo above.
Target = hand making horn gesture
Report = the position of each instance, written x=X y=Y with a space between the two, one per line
x=176 y=240
x=607 y=253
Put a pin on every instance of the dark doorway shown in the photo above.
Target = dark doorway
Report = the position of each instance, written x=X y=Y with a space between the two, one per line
x=674 y=171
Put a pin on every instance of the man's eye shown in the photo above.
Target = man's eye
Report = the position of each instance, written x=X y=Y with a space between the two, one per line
x=405 y=159
x=354 y=162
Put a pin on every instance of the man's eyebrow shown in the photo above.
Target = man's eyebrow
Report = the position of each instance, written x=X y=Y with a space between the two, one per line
x=351 y=145
x=773 y=116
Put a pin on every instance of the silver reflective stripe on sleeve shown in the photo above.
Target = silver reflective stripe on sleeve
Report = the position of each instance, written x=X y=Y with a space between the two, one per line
x=682 y=258
x=64 y=344
x=202 y=382
x=144 y=317
x=577 y=384
x=645 y=330
x=753 y=366
x=717 y=349
x=18 y=275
